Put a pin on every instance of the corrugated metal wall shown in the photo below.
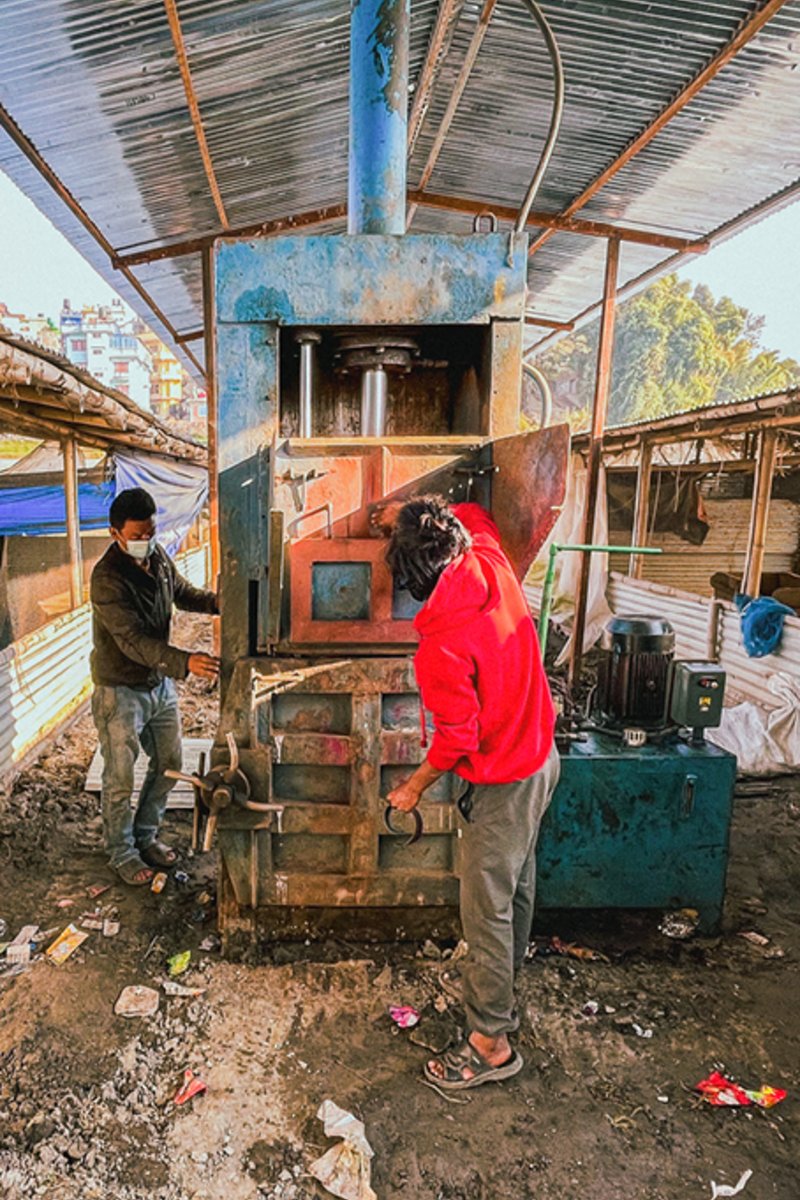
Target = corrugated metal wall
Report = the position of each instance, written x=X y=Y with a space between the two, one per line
x=682 y=565
x=44 y=677
x=692 y=616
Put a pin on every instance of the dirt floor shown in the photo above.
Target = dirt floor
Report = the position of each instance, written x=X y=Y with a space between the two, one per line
x=604 y=1108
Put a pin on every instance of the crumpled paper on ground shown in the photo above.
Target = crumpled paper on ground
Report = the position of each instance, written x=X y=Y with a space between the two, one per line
x=345 y=1169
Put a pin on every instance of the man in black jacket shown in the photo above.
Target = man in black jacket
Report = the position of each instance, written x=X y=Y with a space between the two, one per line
x=134 y=587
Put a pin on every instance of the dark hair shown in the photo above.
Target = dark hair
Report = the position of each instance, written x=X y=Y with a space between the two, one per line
x=426 y=539
x=134 y=504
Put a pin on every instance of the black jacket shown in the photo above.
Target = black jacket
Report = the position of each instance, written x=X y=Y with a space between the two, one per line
x=131 y=616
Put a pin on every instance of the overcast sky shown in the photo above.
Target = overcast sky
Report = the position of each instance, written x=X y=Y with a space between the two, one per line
x=759 y=269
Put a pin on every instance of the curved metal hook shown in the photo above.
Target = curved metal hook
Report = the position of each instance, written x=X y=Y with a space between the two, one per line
x=415 y=813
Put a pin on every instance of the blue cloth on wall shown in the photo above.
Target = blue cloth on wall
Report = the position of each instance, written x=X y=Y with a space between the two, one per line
x=178 y=488
x=762 y=623
x=38 y=511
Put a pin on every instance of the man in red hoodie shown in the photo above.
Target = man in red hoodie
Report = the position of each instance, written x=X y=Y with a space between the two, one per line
x=480 y=674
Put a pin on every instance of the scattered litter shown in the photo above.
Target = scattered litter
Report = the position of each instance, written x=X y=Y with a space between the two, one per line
x=65 y=944
x=159 y=882
x=3 y=927
x=591 y=1008
x=181 y=877
x=640 y=1032
x=430 y=950
x=663 y=1099
x=554 y=945
x=404 y=1015
x=205 y=898
x=755 y=939
x=111 y=927
x=191 y=1086
x=97 y=889
x=211 y=943
x=680 y=925
x=136 y=1001
x=67 y=902
x=178 y=963
x=92 y=921
x=725 y=1189
x=198 y=915
x=18 y=951
x=775 y=952
x=440 y=1002
x=344 y=1170
x=179 y=989
x=725 y=1093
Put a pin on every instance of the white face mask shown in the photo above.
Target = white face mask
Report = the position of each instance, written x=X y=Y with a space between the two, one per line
x=140 y=550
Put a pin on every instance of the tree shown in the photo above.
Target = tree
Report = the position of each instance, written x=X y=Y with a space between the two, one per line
x=675 y=349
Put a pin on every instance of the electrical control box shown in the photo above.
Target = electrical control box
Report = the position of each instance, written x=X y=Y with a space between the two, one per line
x=697 y=692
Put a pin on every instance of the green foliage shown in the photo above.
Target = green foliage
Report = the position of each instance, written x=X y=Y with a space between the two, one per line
x=675 y=349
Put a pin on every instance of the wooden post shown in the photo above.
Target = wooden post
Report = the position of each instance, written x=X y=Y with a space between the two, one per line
x=641 y=508
x=766 y=454
x=602 y=389
x=211 y=412
x=70 y=453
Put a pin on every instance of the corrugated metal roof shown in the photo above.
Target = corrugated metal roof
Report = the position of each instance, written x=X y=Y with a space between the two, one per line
x=96 y=87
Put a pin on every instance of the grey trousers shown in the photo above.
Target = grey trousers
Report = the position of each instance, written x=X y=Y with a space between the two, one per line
x=125 y=719
x=498 y=891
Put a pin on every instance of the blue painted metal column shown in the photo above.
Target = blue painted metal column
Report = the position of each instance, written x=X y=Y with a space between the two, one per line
x=379 y=32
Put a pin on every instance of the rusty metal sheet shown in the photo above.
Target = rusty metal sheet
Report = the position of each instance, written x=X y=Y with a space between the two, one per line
x=528 y=490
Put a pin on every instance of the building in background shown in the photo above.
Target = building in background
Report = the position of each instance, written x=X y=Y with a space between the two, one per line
x=166 y=376
x=105 y=342
x=38 y=329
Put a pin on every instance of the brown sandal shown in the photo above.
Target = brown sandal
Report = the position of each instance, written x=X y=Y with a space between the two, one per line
x=158 y=855
x=135 y=873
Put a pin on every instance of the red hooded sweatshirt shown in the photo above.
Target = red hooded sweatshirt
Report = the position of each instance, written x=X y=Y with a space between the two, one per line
x=479 y=667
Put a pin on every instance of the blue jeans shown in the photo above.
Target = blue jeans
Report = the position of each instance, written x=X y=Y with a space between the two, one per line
x=127 y=718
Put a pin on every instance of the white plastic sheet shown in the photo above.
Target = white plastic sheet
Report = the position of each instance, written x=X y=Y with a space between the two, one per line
x=764 y=742
x=345 y=1169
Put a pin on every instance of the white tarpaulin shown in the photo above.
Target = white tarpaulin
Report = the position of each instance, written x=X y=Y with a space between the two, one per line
x=764 y=741
x=178 y=488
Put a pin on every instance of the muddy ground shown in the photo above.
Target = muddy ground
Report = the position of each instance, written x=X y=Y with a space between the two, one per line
x=599 y=1111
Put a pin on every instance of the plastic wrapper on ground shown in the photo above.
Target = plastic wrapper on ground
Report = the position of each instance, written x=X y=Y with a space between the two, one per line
x=345 y=1169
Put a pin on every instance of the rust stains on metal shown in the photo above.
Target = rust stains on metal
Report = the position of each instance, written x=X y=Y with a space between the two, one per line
x=455 y=97
x=438 y=47
x=557 y=222
x=174 y=20
x=256 y=229
x=745 y=33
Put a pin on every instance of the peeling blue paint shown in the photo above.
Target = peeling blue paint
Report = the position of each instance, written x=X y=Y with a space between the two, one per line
x=379 y=31
x=371 y=280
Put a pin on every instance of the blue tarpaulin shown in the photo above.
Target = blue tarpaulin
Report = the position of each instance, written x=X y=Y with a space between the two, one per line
x=41 y=510
x=178 y=488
